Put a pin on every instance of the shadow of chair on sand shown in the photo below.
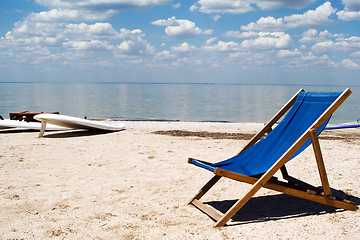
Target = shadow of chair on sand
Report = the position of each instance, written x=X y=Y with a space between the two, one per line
x=276 y=207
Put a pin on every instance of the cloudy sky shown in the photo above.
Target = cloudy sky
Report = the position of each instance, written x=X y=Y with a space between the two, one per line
x=222 y=41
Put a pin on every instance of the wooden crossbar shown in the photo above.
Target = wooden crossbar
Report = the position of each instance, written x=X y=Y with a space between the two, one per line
x=206 y=188
x=320 y=162
x=211 y=212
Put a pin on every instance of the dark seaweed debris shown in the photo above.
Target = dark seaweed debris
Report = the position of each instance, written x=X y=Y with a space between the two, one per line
x=203 y=134
x=247 y=136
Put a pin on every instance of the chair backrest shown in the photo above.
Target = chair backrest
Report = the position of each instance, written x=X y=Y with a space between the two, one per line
x=308 y=107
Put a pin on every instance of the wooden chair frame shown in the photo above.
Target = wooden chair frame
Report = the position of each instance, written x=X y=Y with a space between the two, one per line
x=293 y=186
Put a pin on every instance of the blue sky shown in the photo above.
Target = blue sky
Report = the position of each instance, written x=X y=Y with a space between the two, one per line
x=215 y=41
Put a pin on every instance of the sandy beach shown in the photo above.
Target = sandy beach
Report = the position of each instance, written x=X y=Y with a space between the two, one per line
x=136 y=184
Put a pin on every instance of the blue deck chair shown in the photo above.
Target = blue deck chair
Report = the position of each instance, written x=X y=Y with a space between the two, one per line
x=306 y=115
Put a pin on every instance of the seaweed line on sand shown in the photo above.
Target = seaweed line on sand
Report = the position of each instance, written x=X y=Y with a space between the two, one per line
x=248 y=136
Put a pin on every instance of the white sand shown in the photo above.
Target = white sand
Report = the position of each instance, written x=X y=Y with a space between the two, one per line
x=135 y=184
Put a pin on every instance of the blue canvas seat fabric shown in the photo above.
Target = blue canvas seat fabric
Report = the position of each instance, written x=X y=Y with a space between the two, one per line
x=308 y=107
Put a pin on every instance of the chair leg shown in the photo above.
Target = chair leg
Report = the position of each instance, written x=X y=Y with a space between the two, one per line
x=242 y=201
x=320 y=163
x=206 y=188
x=260 y=182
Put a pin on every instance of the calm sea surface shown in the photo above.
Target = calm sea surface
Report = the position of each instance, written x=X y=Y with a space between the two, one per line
x=184 y=102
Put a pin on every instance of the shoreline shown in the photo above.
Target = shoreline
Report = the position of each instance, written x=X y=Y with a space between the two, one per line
x=135 y=184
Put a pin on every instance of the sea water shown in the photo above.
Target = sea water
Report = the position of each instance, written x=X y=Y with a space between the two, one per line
x=154 y=101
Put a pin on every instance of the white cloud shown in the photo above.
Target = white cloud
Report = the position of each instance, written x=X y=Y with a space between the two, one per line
x=180 y=28
x=185 y=29
x=134 y=43
x=51 y=29
x=84 y=31
x=238 y=34
x=74 y=34
x=165 y=56
x=167 y=22
x=184 y=48
x=101 y=5
x=265 y=23
x=29 y=33
x=88 y=45
x=131 y=34
x=89 y=10
x=340 y=44
x=356 y=54
x=220 y=54
x=351 y=5
x=224 y=47
x=310 y=19
x=310 y=35
x=266 y=40
x=210 y=40
x=289 y=53
x=309 y=57
x=323 y=46
x=348 y=63
x=348 y=15
x=222 y=6
x=243 y=6
x=183 y=54
x=277 y=4
x=66 y=15
x=98 y=36
x=216 y=17
x=351 y=11
x=313 y=35
x=317 y=60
